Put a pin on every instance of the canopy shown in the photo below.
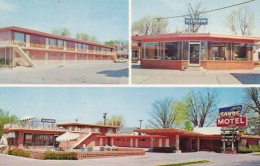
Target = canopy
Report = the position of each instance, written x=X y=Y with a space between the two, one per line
x=26 y=118
x=68 y=136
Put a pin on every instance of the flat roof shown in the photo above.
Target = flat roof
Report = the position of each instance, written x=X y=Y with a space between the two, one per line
x=84 y=125
x=168 y=132
x=195 y=36
x=19 y=29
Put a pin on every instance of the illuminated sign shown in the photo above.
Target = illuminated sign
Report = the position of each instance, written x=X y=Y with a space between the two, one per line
x=230 y=111
x=198 y=21
x=237 y=121
x=48 y=120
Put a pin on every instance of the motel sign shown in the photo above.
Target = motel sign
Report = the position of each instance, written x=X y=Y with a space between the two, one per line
x=237 y=121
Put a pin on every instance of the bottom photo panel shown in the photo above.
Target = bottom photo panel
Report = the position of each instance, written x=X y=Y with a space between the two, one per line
x=163 y=126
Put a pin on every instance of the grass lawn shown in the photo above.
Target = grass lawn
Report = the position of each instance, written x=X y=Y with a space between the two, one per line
x=187 y=163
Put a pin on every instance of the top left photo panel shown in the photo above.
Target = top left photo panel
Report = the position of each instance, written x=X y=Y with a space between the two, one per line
x=64 y=42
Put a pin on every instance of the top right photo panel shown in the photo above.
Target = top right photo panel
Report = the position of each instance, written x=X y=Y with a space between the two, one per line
x=195 y=42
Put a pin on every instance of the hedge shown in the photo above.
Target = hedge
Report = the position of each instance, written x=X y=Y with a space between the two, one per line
x=249 y=150
x=163 y=149
x=60 y=156
x=19 y=152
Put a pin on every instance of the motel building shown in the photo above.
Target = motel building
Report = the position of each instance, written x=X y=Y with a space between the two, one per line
x=179 y=51
x=25 y=47
x=43 y=133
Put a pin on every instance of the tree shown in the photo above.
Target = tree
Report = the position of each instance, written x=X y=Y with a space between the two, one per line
x=162 y=114
x=252 y=99
x=181 y=112
x=148 y=25
x=201 y=108
x=116 y=120
x=86 y=37
x=61 y=32
x=241 y=21
x=195 y=11
x=5 y=118
x=110 y=42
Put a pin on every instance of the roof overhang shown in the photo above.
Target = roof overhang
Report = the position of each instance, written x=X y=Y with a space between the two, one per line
x=169 y=132
x=195 y=36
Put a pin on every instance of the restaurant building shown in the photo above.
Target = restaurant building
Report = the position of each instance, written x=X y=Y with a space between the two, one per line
x=179 y=51
x=25 y=47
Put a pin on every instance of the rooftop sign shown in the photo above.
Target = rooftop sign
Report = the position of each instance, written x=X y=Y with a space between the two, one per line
x=48 y=120
x=198 y=21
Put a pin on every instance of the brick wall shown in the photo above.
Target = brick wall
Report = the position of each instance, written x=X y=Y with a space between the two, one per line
x=164 y=64
x=227 y=65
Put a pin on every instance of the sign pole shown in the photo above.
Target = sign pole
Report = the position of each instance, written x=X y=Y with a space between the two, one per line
x=224 y=147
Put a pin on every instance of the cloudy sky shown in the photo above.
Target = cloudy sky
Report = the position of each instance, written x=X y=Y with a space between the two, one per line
x=105 y=19
x=217 y=19
x=87 y=104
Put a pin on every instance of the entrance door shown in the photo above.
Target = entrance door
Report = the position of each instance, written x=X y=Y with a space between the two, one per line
x=194 y=53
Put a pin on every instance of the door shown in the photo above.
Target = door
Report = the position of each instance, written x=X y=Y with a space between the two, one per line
x=194 y=53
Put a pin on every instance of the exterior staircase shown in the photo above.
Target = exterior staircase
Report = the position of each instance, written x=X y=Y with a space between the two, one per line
x=24 y=56
x=81 y=139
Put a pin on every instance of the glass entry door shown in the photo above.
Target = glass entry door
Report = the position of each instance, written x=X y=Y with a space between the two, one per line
x=194 y=53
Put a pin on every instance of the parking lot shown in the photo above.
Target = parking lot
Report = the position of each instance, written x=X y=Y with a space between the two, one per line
x=106 y=73
x=150 y=159
x=163 y=76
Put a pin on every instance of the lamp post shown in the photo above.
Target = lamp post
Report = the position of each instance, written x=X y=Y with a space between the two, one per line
x=105 y=118
x=140 y=123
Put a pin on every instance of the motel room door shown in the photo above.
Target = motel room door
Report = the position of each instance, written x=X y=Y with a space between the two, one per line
x=194 y=53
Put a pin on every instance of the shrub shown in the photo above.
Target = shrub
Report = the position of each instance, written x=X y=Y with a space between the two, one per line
x=60 y=156
x=19 y=152
x=251 y=149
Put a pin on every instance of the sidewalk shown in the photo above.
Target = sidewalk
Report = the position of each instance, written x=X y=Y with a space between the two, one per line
x=162 y=76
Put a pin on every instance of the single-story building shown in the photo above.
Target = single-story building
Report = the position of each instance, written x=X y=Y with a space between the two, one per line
x=182 y=50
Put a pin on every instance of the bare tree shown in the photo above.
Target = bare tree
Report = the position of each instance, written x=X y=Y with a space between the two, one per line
x=148 y=25
x=252 y=99
x=195 y=11
x=162 y=114
x=202 y=108
x=241 y=21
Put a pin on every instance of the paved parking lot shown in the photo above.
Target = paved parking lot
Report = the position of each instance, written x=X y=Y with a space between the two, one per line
x=106 y=73
x=150 y=159
x=162 y=76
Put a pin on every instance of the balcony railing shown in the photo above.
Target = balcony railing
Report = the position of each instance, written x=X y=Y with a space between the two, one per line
x=33 y=126
x=13 y=42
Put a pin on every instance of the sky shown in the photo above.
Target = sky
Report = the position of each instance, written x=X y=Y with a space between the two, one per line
x=65 y=104
x=216 y=20
x=105 y=19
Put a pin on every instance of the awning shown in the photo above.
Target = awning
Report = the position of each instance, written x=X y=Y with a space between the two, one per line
x=68 y=136
x=26 y=118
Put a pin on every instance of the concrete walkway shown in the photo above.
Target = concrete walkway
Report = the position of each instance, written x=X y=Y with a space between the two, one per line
x=106 y=73
x=150 y=159
x=162 y=76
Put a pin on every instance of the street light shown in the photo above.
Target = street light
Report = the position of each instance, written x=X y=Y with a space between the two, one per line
x=105 y=118
x=140 y=123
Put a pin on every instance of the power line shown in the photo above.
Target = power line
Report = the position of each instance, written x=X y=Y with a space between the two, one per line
x=208 y=10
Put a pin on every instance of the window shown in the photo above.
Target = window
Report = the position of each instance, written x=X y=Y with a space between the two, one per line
x=239 y=51
x=218 y=51
x=142 y=139
x=85 y=47
x=37 y=41
x=60 y=43
x=150 y=50
x=53 y=43
x=170 y=51
x=79 y=46
x=27 y=139
x=19 y=37
x=70 y=45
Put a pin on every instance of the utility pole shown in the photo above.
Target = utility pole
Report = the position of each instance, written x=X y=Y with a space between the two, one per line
x=105 y=118
x=140 y=123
